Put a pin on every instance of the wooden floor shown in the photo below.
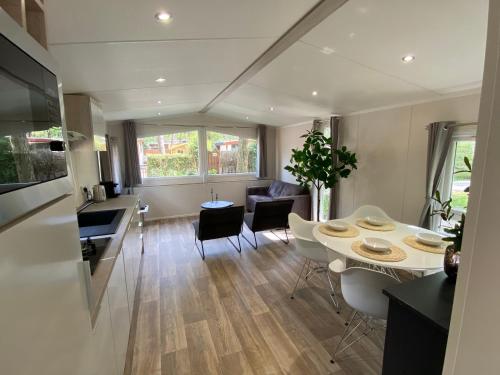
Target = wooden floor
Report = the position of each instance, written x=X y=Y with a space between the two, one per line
x=232 y=314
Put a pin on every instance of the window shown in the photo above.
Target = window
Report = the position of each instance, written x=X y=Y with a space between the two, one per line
x=169 y=155
x=229 y=154
x=459 y=180
x=455 y=183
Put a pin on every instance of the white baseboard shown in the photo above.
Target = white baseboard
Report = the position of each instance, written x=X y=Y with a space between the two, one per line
x=195 y=214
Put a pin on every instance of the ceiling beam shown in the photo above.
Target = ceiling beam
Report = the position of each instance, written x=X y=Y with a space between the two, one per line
x=313 y=17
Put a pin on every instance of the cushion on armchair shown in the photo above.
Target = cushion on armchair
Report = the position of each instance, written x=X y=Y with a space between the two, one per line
x=275 y=189
x=291 y=190
x=280 y=190
x=253 y=199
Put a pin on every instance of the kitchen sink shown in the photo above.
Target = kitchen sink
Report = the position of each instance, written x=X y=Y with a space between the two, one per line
x=99 y=223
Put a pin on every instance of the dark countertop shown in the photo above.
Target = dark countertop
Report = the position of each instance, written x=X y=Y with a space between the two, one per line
x=430 y=296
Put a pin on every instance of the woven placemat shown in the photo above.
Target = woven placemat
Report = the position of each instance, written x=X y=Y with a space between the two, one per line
x=394 y=254
x=351 y=231
x=381 y=228
x=413 y=242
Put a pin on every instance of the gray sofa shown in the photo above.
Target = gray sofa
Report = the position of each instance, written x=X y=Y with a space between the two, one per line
x=281 y=190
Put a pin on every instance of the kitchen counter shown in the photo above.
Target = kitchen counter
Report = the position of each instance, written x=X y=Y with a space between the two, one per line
x=100 y=278
x=417 y=325
x=431 y=297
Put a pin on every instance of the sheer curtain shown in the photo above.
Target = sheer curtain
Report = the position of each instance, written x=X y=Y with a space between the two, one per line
x=439 y=141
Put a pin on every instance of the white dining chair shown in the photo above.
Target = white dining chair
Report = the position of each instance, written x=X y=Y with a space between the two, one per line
x=369 y=210
x=309 y=248
x=362 y=291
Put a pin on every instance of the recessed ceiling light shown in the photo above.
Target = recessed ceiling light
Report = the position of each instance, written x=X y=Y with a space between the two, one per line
x=314 y=93
x=408 y=58
x=159 y=113
x=327 y=50
x=271 y=109
x=159 y=102
x=160 y=80
x=246 y=117
x=163 y=17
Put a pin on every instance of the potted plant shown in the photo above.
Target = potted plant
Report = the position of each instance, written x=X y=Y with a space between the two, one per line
x=455 y=230
x=313 y=164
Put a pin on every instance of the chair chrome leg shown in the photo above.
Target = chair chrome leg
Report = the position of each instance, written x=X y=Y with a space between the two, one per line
x=344 y=335
x=298 y=279
x=238 y=248
x=286 y=242
x=368 y=329
x=308 y=273
x=251 y=244
x=202 y=251
x=333 y=295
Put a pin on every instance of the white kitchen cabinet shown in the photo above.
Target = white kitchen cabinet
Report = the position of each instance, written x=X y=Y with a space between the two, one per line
x=132 y=247
x=44 y=319
x=119 y=311
x=84 y=116
x=102 y=351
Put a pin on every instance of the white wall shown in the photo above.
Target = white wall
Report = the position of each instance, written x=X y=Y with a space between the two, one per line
x=180 y=200
x=286 y=139
x=474 y=338
x=85 y=169
x=391 y=146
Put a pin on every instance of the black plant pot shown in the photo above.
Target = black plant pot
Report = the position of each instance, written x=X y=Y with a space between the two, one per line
x=451 y=261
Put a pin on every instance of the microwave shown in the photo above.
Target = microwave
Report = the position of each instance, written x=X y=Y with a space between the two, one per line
x=33 y=152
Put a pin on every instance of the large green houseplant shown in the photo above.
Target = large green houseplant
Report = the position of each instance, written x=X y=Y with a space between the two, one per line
x=313 y=165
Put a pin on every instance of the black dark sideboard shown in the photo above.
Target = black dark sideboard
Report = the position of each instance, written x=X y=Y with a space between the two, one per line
x=417 y=326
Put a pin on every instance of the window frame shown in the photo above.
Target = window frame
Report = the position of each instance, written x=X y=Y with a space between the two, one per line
x=241 y=176
x=203 y=176
x=178 y=180
x=466 y=133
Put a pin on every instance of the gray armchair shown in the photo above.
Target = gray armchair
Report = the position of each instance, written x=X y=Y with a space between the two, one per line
x=218 y=223
x=280 y=190
x=268 y=216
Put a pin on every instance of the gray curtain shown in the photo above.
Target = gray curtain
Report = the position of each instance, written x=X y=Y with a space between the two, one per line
x=261 y=151
x=132 y=168
x=439 y=141
x=334 y=192
x=106 y=166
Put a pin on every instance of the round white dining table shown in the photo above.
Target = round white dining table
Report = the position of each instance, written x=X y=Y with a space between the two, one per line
x=416 y=260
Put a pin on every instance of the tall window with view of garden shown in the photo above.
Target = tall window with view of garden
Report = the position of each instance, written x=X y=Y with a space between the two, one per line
x=169 y=155
x=228 y=154
x=460 y=180
x=178 y=154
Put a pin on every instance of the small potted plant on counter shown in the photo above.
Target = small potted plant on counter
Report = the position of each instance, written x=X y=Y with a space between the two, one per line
x=454 y=229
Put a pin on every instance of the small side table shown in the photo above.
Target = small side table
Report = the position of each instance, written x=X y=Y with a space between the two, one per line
x=143 y=211
x=216 y=204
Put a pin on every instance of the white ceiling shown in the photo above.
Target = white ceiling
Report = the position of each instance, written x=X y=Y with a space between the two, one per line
x=114 y=50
